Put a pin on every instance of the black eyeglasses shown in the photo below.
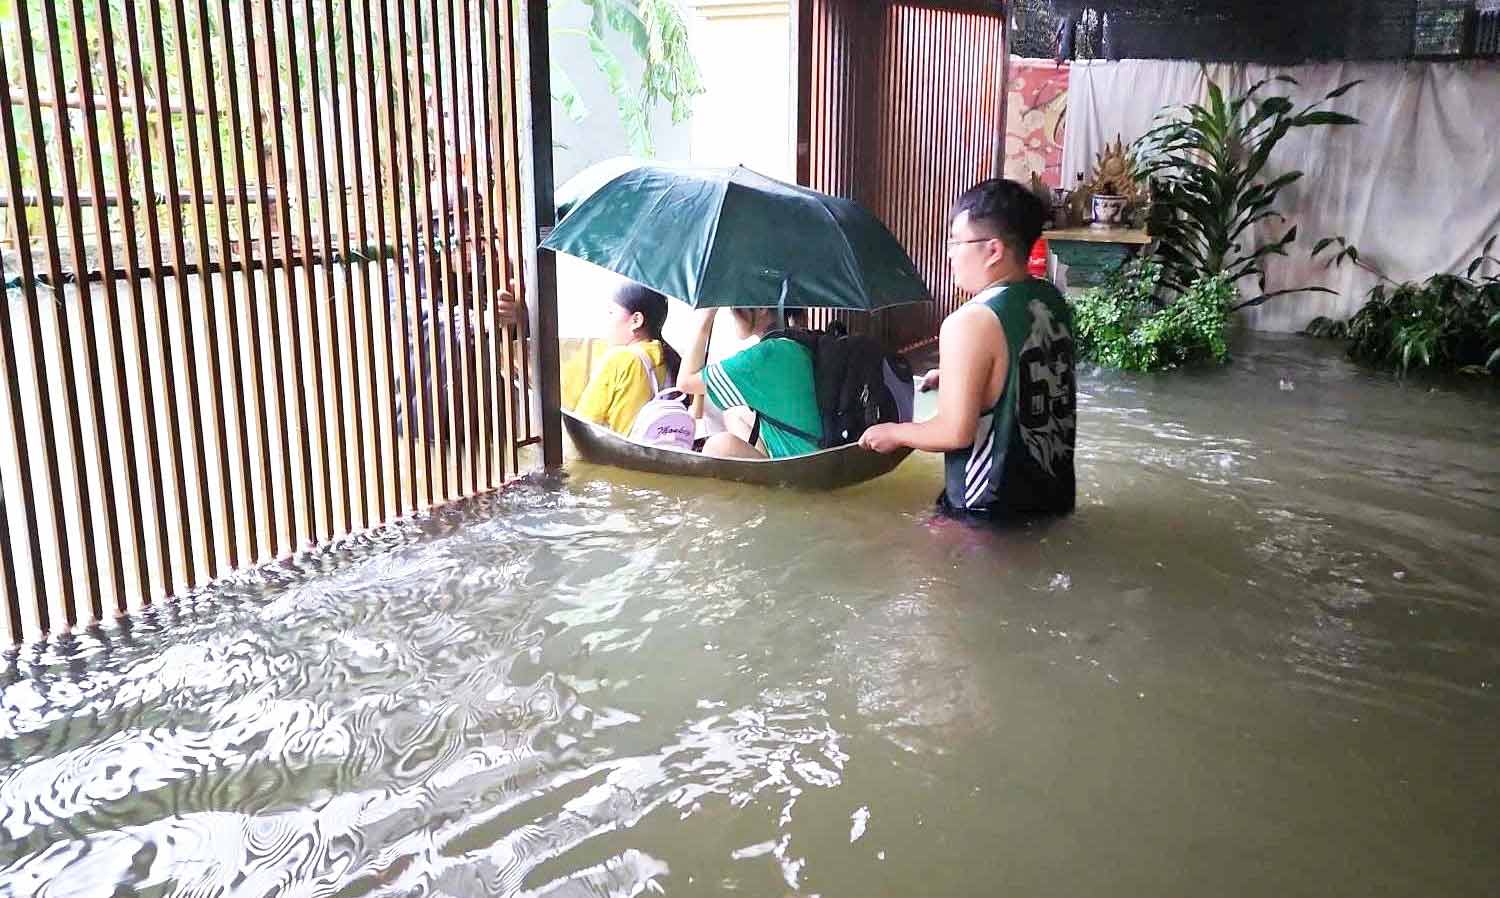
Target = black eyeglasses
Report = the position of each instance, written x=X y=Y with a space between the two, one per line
x=952 y=243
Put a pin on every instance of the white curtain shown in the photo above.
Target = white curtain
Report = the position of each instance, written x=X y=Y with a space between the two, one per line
x=1416 y=187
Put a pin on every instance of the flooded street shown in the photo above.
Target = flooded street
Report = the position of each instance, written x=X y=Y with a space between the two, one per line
x=1262 y=658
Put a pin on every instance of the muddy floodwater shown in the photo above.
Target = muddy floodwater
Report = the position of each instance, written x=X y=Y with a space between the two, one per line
x=1261 y=659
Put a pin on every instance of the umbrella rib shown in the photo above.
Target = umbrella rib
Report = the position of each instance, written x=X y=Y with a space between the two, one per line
x=713 y=239
x=853 y=257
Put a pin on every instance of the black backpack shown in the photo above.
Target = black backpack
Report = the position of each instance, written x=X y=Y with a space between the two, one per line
x=858 y=383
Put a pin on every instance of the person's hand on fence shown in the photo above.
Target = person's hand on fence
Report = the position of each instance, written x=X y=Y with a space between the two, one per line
x=507 y=308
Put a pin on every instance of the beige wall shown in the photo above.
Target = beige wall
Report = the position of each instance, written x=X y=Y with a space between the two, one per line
x=744 y=116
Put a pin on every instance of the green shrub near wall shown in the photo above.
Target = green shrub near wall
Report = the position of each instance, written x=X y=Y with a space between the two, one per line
x=1448 y=321
x=1123 y=325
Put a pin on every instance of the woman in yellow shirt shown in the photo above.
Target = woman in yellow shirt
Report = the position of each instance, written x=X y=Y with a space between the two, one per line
x=622 y=385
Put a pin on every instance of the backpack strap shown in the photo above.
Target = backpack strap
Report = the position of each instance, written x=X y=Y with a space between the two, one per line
x=796 y=431
x=650 y=368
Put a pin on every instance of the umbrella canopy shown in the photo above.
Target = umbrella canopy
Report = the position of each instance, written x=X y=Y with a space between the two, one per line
x=734 y=238
x=583 y=184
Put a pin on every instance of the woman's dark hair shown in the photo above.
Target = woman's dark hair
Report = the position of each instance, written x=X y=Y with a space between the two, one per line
x=635 y=297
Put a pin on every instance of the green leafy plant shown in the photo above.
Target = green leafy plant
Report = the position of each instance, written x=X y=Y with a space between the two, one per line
x=1205 y=165
x=1447 y=321
x=1124 y=324
x=657 y=32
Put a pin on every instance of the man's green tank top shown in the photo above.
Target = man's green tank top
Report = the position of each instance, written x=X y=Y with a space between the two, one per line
x=1021 y=460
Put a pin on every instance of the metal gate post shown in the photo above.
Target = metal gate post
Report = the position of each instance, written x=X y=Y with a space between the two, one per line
x=542 y=304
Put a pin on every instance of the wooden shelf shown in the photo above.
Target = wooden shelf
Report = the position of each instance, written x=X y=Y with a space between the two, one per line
x=1128 y=236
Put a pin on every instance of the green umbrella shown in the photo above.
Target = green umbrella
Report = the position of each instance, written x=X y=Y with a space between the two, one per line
x=734 y=238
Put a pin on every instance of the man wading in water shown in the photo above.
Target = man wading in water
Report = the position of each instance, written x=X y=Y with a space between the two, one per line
x=1006 y=415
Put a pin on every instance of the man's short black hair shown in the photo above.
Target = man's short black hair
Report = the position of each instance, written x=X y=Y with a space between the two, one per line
x=1000 y=207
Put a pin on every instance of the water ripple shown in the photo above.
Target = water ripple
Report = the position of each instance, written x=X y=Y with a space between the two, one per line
x=615 y=687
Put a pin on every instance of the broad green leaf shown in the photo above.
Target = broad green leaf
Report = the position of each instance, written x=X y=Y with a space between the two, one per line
x=627 y=20
x=1344 y=89
x=566 y=92
x=1276 y=105
x=1216 y=100
x=1326 y=118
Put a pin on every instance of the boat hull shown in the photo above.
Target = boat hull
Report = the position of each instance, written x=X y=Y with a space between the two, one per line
x=828 y=469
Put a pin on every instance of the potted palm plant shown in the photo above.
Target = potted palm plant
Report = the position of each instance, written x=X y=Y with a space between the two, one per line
x=1113 y=189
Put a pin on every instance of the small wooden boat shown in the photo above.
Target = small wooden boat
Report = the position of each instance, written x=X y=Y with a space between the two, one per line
x=827 y=469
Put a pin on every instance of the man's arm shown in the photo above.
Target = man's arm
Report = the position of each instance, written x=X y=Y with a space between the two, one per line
x=967 y=355
x=690 y=372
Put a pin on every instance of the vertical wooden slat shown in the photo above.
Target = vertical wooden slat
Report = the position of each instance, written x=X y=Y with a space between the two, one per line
x=494 y=433
x=383 y=395
x=324 y=316
x=308 y=311
x=521 y=432
x=421 y=403
x=433 y=281
x=941 y=188
x=220 y=500
x=503 y=129
x=292 y=350
x=153 y=334
x=75 y=396
x=26 y=512
x=934 y=186
x=224 y=308
x=447 y=294
x=405 y=261
x=823 y=119
x=504 y=214
x=803 y=43
x=202 y=559
x=251 y=311
x=129 y=551
x=346 y=343
x=287 y=404
x=17 y=585
x=846 y=147
x=463 y=139
x=479 y=113
x=365 y=322
x=474 y=114
x=542 y=190
x=139 y=383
